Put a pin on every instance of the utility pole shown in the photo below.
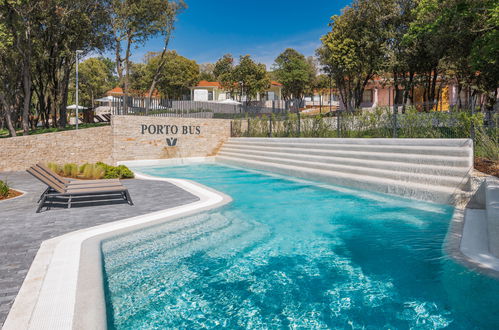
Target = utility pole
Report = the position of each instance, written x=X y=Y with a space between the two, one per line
x=77 y=106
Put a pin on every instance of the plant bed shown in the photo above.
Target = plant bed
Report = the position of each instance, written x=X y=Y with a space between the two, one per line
x=92 y=171
x=11 y=194
x=487 y=166
x=6 y=192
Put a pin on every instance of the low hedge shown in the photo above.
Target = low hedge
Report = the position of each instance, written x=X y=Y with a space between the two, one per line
x=92 y=171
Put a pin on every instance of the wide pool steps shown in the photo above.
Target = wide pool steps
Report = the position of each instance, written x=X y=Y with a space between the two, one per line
x=435 y=170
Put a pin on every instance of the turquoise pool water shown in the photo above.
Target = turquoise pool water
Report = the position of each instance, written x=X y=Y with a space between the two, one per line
x=292 y=254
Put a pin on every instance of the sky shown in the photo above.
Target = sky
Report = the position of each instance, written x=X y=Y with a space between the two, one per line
x=208 y=29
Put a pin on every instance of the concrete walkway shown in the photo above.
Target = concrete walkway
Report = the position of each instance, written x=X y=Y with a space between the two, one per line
x=22 y=230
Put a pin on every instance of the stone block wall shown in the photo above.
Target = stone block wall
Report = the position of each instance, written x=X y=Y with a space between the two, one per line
x=85 y=145
x=141 y=137
x=128 y=138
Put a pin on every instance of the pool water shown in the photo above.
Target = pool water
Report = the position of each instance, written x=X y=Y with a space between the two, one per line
x=292 y=254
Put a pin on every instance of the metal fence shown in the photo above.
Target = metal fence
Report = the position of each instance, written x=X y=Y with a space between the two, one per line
x=378 y=123
x=197 y=109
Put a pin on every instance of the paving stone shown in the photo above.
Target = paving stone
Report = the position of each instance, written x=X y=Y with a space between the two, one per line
x=23 y=230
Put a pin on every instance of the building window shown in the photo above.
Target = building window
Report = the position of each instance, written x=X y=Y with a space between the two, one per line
x=367 y=97
x=210 y=95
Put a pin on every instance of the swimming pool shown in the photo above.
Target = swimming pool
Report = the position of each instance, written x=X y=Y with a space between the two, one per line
x=291 y=253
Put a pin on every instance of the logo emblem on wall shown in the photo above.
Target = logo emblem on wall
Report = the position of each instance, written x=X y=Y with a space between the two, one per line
x=172 y=142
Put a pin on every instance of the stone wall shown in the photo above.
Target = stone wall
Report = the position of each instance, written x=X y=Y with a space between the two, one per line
x=140 y=137
x=84 y=145
x=128 y=138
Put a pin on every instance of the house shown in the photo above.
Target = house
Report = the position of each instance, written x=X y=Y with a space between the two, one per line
x=118 y=91
x=213 y=91
x=380 y=93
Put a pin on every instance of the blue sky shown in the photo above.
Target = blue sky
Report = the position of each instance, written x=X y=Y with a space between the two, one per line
x=207 y=30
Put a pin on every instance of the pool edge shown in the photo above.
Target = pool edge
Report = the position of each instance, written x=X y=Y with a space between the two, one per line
x=48 y=300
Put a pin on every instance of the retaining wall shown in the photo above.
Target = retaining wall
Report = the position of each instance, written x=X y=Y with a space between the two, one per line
x=127 y=138
x=84 y=145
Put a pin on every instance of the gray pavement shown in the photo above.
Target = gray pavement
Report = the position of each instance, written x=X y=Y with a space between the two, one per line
x=22 y=230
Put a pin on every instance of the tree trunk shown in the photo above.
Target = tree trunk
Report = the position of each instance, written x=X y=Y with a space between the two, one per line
x=7 y=115
x=27 y=83
x=63 y=96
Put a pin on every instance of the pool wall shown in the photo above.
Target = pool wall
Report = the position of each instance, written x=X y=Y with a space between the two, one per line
x=473 y=238
x=435 y=170
x=64 y=286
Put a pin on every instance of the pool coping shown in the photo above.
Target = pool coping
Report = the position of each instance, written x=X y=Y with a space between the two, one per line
x=63 y=288
x=66 y=273
x=452 y=246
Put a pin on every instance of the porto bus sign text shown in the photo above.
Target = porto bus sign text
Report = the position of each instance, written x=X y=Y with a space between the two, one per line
x=170 y=130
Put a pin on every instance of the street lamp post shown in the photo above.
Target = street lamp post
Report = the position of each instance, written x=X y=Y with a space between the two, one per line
x=77 y=106
x=330 y=93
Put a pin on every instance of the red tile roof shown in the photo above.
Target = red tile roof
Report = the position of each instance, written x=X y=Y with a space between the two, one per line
x=204 y=83
x=118 y=91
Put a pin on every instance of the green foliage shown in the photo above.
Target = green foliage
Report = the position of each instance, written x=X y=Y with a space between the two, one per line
x=174 y=78
x=354 y=49
x=251 y=76
x=55 y=168
x=115 y=172
x=92 y=171
x=295 y=73
x=70 y=170
x=96 y=76
x=4 y=189
x=378 y=123
x=224 y=73
x=248 y=77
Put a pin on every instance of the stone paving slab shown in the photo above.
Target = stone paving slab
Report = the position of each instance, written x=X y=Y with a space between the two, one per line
x=22 y=230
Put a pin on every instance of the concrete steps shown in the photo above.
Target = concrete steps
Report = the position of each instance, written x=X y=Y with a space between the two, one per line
x=426 y=169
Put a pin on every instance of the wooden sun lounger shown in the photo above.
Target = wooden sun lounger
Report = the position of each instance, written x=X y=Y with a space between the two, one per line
x=69 y=182
x=57 y=189
x=103 y=118
x=98 y=118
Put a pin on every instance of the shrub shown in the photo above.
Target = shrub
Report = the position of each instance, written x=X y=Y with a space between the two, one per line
x=112 y=173
x=116 y=172
x=97 y=172
x=55 y=167
x=125 y=172
x=70 y=170
x=82 y=168
x=4 y=189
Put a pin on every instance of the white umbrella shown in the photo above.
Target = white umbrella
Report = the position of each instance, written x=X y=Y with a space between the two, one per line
x=73 y=107
x=229 y=101
x=108 y=99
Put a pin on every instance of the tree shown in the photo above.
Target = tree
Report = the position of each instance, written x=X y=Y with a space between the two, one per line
x=96 y=77
x=295 y=72
x=206 y=71
x=45 y=36
x=177 y=75
x=484 y=56
x=353 y=52
x=251 y=77
x=224 y=73
x=135 y=22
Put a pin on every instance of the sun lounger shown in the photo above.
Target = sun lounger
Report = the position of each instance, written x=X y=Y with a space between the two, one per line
x=57 y=189
x=68 y=182
x=102 y=119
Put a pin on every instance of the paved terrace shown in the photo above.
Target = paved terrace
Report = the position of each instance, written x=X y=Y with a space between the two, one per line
x=23 y=230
